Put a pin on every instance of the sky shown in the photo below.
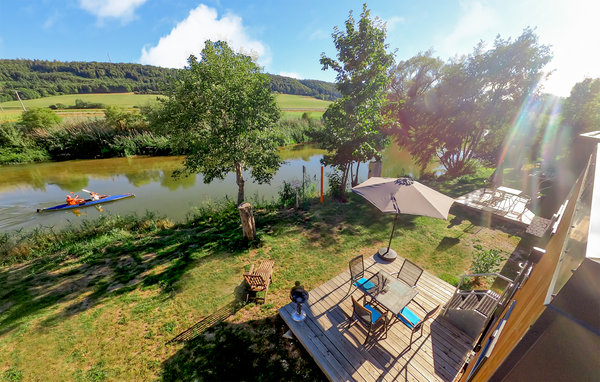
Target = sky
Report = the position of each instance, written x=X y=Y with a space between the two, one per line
x=288 y=37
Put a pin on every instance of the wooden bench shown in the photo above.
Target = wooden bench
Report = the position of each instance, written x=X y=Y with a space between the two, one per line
x=258 y=280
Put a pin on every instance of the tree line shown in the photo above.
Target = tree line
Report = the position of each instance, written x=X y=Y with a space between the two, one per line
x=40 y=78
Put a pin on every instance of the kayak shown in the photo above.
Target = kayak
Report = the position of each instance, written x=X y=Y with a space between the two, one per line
x=87 y=202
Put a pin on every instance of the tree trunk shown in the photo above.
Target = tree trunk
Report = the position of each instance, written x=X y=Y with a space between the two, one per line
x=355 y=180
x=248 y=225
x=239 y=178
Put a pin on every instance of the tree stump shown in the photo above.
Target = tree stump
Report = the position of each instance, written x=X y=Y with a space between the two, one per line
x=248 y=225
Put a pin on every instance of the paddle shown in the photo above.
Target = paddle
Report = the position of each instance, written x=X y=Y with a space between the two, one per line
x=91 y=192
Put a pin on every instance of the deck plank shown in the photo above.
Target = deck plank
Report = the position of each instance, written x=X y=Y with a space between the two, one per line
x=438 y=355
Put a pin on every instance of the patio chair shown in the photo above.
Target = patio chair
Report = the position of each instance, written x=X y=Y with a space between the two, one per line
x=368 y=316
x=357 y=274
x=259 y=280
x=410 y=273
x=413 y=322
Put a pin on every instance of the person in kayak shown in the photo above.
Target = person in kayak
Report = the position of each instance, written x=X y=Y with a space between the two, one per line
x=74 y=200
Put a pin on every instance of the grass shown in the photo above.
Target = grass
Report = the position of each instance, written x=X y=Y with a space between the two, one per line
x=101 y=302
x=126 y=100
x=292 y=106
x=304 y=103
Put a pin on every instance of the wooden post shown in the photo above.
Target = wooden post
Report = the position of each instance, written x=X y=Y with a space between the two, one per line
x=321 y=184
x=248 y=225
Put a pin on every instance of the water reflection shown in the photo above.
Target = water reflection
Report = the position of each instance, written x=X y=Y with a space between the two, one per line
x=25 y=188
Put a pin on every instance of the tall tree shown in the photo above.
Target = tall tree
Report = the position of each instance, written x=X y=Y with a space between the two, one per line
x=221 y=113
x=581 y=110
x=467 y=112
x=353 y=122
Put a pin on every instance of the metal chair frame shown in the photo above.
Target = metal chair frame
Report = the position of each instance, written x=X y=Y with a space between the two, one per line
x=370 y=326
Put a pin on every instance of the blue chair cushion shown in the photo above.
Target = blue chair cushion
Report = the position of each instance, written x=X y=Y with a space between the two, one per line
x=364 y=284
x=412 y=318
x=374 y=313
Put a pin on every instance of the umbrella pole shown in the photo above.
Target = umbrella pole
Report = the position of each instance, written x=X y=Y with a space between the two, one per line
x=392 y=235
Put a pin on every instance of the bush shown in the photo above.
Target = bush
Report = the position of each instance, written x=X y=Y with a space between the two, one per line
x=335 y=185
x=39 y=118
x=486 y=261
x=293 y=131
x=288 y=192
x=145 y=143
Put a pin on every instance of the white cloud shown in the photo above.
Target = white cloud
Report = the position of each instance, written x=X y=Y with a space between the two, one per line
x=476 y=21
x=391 y=22
x=318 y=34
x=291 y=74
x=119 y=9
x=189 y=35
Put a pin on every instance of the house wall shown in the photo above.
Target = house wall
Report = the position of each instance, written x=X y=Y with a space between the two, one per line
x=529 y=298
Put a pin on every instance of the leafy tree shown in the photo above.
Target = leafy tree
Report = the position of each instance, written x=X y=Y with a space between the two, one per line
x=464 y=111
x=221 y=112
x=39 y=118
x=581 y=110
x=353 y=122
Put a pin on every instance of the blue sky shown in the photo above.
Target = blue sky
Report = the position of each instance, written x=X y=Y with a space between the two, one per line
x=287 y=37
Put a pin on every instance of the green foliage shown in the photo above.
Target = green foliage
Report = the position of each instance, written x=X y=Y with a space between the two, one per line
x=312 y=88
x=294 y=131
x=39 y=118
x=88 y=139
x=288 y=193
x=79 y=104
x=486 y=261
x=353 y=123
x=39 y=78
x=335 y=189
x=222 y=114
x=120 y=119
x=476 y=98
x=13 y=374
x=16 y=147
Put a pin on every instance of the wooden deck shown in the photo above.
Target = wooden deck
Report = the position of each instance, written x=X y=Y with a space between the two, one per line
x=504 y=202
x=438 y=355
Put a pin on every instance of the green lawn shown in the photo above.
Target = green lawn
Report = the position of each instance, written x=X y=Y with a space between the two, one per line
x=103 y=302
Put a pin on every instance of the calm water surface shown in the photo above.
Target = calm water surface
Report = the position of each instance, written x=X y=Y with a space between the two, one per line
x=25 y=188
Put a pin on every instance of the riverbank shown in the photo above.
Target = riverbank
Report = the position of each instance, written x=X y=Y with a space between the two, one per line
x=100 y=302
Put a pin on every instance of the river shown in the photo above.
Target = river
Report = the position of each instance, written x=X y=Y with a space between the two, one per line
x=27 y=187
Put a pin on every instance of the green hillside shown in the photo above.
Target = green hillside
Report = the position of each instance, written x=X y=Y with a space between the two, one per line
x=38 y=78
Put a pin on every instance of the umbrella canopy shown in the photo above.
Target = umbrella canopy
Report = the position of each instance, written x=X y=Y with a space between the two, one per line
x=404 y=196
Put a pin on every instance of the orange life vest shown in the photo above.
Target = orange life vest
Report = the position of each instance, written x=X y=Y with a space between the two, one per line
x=74 y=200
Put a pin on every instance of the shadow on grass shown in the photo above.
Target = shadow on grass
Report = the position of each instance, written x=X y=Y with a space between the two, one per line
x=253 y=351
x=82 y=274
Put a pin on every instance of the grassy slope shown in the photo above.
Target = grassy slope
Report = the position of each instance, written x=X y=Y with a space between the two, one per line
x=292 y=105
x=104 y=305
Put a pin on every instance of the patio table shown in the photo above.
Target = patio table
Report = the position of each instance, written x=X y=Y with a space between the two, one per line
x=389 y=292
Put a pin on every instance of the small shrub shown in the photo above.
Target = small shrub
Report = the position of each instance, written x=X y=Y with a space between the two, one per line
x=486 y=261
x=39 y=118
x=288 y=192
x=335 y=185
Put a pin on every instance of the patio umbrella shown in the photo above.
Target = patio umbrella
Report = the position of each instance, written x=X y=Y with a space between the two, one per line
x=403 y=196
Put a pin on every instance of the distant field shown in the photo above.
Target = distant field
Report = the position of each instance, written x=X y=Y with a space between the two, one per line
x=295 y=102
x=292 y=106
x=127 y=100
